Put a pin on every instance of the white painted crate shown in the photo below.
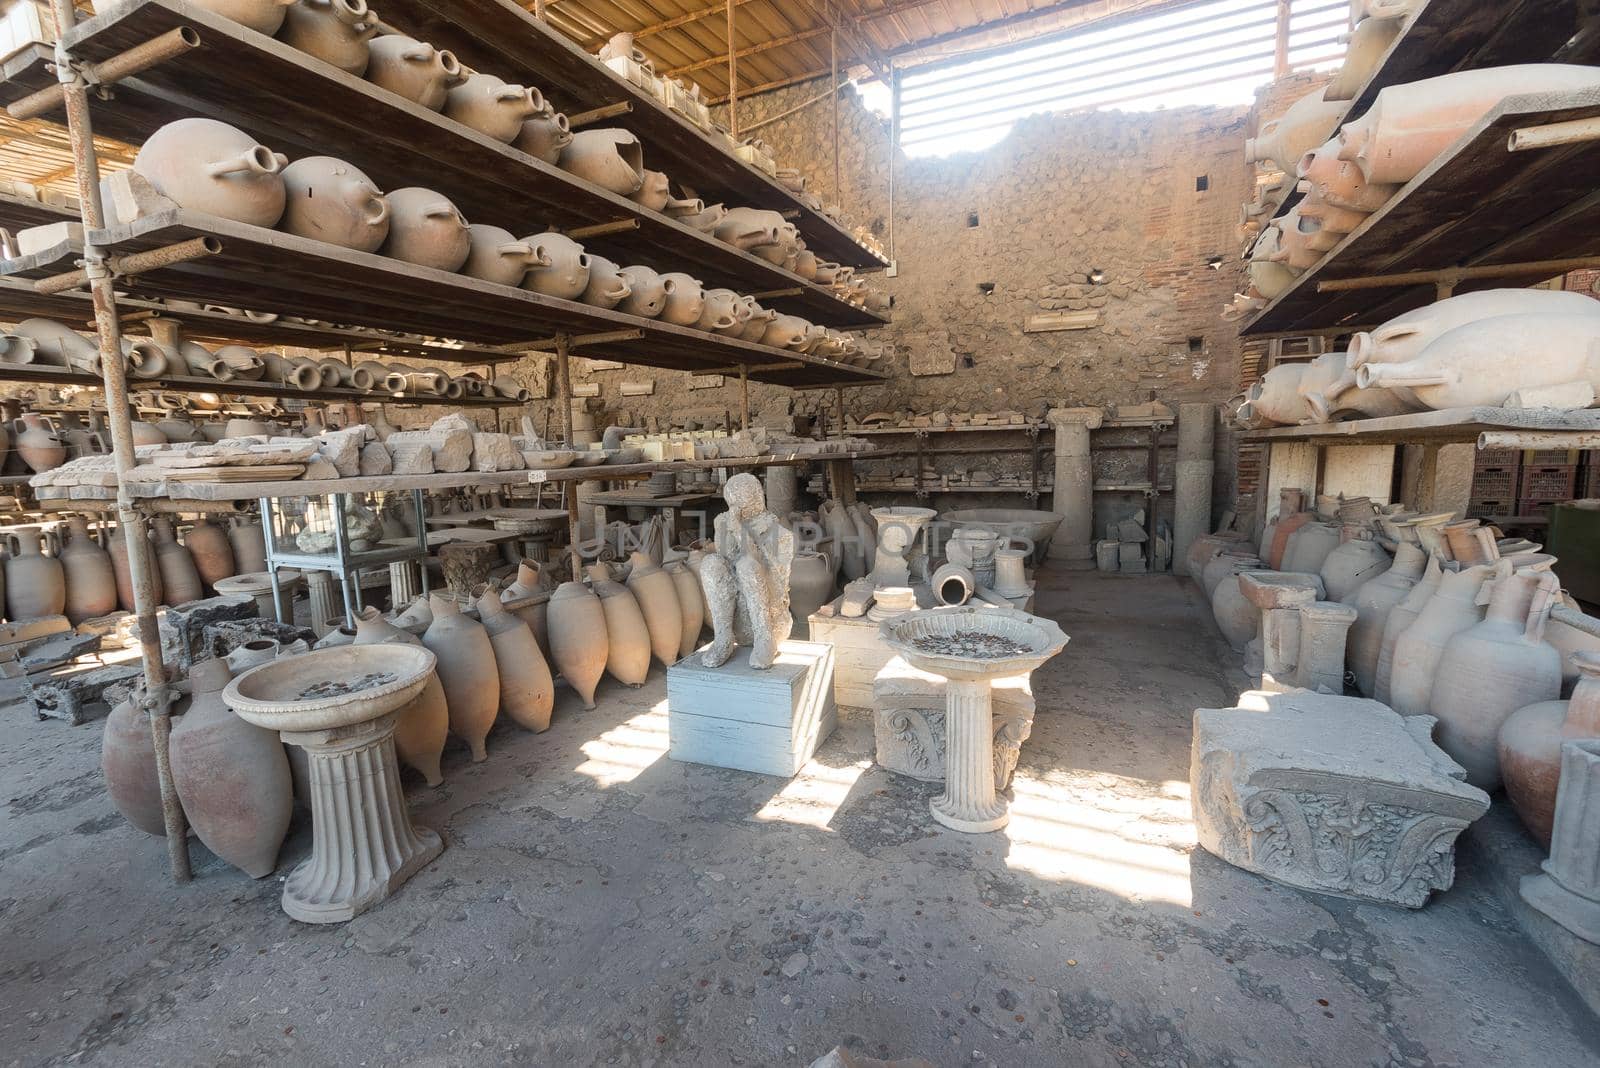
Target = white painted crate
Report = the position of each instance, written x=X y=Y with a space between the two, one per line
x=860 y=653
x=764 y=721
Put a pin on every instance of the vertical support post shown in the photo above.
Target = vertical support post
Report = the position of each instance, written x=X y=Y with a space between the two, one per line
x=838 y=407
x=564 y=387
x=1152 y=475
x=894 y=150
x=744 y=398
x=1280 y=47
x=833 y=60
x=574 y=531
x=540 y=10
x=1191 y=513
x=917 y=441
x=141 y=566
x=733 y=78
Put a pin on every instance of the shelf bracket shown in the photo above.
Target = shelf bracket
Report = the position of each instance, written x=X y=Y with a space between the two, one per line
x=573 y=341
x=133 y=263
x=621 y=226
x=1453 y=276
x=599 y=114
x=140 y=57
x=774 y=294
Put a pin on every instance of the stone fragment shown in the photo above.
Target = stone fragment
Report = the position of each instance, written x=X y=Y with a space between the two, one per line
x=375 y=459
x=795 y=964
x=452 y=423
x=183 y=629
x=319 y=469
x=410 y=459
x=1339 y=795
x=79 y=697
x=857 y=598
x=342 y=449
x=495 y=452
x=839 y=1057
x=452 y=449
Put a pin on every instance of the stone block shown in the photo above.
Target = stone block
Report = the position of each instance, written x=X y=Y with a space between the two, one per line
x=495 y=452
x=415 y=458
x=1340 y=795
x=342 y=449
x=452 y=449
x=80 y=696
x=375 y=459
x=224 y=637
x=908 y=707
x=183 y=629
x=768 y=721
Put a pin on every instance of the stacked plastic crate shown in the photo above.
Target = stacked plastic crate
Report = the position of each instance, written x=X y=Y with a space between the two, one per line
x=1495 y=478
x=1549 y=476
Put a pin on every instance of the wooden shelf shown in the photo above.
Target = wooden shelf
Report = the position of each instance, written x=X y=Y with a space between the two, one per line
x=302 y=106
x=500 y=37
x=267 y=269
x=869 y=431
x=1477 y=204
x=55 y=376
x=1454 y=425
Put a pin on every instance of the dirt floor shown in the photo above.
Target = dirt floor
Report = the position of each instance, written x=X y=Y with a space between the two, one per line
x=600 y=903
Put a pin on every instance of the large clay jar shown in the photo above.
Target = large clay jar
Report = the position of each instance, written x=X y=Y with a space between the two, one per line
x=232 y=776
x=1206 y=546
x=721 y=311
x=1530 y=747
x=685 y=299
x=578 y=639
x=423 y=725
x=627 y=634
x=467 y=669
x=213 y=168
x=1374 y=602
x=751 y=229
x=413 y=69
x=647 y=294
x=1453 y=608
x=1339 y=183
x=212 y=552
x=1368 y=43
x=120 y=567
x=607 y=286
x=425 y=228
x=1236 y=617
x=59 y=346
x=90 y=578
x=527 y=692
x=1305 y=125
x=330 y=200
x=1485 y=362
x=611 y=159
x=536 y=616
x=249 y=545
x=658 y=600
x=810 y=584
x=36 y=584
x=263 y=16
x=38 y=444
x=128 y=761
x=654 y=191
x=335 y=31
x=1492 y=669
x=785 y=332
x=180 y=579
x=1276 y=398
x=1281 y=532
x=494 y=255
x=1308 y=547
x=692 y=605
x=560 y=267
x=1224 y=566
x=493 y=107
x=1351 y=565
x=545 y=135
x=1400 y=620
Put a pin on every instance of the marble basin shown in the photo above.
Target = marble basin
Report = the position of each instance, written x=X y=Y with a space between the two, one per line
x=548 y=459
x=1040 y=639
x=270 y=695
x=1037 y=527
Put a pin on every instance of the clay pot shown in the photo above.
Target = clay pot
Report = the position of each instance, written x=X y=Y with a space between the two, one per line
x=810 y=583
x=232 y=776
x=1410 y=124
x=210 y=167
x=1224 y=565
x=467 y=670
x=413 y=69
x=16 y=350
x=36 y=584
x=422 y=726
x=1206 y=546
x=527 y=691
x=627 y=634
x=1530 y=747
x=1375 y=602
x=38 y=444
x=1339 y=183
x=1453 y=608
x=607 y=286
x=720 y=311
x=756 y=323
x=685 y=299
x=1400 y=619
x=578 y=638
x=560 y=267
x=496 y=256
x=248 y=544
x=536 y=616
x=655 y=189
x=493 y=107
x=611 y=159
x=1351 y=565
x=1368 y=43
x=1276 y=398
x=751 y=229
x=426 y=229
x=335 y=31
x=1488 y=361
x=785 y=332
x=91 y=581
x=119 y=566
x=128 y=761
x=1309 y=546
x=1236 y=617
x=647 y=294
x=330 y=200
x=1493 y=668
x=691 y=606
x=212 y=552
x=545 y=135
x=263 y=16
x=653 y=588
x=180 y=579
x=1304 y=126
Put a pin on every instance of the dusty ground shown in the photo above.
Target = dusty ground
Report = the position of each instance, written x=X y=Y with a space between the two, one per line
x=600 y=903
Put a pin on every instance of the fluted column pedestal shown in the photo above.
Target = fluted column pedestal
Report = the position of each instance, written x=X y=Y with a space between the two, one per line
x=405 y=584
x=363 y=843
x=1568 y=888
x=1073 y=543
x=327 y=611
x=969 y=802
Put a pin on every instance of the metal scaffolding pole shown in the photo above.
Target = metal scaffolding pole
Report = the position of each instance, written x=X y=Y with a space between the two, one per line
x=733 y=78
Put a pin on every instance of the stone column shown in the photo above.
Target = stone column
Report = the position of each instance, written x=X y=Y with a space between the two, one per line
x=1568 y=888
x=969 y=802
x=1192 y=491
x=325 y=602
x=783 y=489
x=1073 y=544
x=1319 y=666
x=363 y=843
x=405 y=584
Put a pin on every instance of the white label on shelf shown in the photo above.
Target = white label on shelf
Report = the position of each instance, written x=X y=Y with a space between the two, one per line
x=537 y=477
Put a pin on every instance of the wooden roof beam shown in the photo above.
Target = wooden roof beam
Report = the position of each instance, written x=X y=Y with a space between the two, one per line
x=671 y=24
x=879 y=64
x=764 y=46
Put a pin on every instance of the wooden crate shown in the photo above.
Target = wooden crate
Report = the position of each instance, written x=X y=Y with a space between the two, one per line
x=764 y=721
x=859 y=654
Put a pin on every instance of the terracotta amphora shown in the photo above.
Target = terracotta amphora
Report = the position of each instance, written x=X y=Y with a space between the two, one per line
x=1530 y=747
x=59 y=346
x=413 y=69
x=529 y=582
x=840 y=525
x=706 y=219
x=494 y=255
x=263 y=16
x=560 y=267
x=90 y=578
x=38 y=444
x=627 y=634
x=1411 y=123
x=751 y=229
x=232 y=776
x=545 y=135
x=1206 y=546
x=1338 y=182
x=16 y=350
x=493 y=107
x=1217 y=570
x=609 y=158
x=1353 y=563
x=211 y=167
x=647 y=293
x=1304 y=126
x=212 y=552
x=119 y=565
x=128 y=761
x=335 y=31
x=578 y=639
x=1236 y=617
x=36 y=584
x=657 y=595
x=467 y=670
x=249 y=545
x=423 y=725
x=810 y=584
x=785 y=332
x=1368 y=43
x=691 y=605
x=180 y=579
x=755 y=327
x=608 y=286
x=330 y=200
x=1400 y=620
x=1453 y=608
x=425 y=228
x=1492 y=669
x=1375 y=602
x=720 y=312
x=1269 y=276
x=685 y=299
x=1276 y=398
x=1487 y=361
x=527 y=691
x=1307 y=548
x=147 y=358
x=655 y=189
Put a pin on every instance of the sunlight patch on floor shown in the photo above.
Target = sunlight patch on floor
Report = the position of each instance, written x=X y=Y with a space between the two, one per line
x=811 y=798
x=622 y=753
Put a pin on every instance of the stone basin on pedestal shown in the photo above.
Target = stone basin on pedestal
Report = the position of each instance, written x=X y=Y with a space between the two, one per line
x=897 y=533
x=339 y=705
x=950 y=642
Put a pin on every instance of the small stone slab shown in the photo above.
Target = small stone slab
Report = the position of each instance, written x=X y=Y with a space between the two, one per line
x=77 y=696
x=452 y=449
x=1340 y=795
x=224 y=637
